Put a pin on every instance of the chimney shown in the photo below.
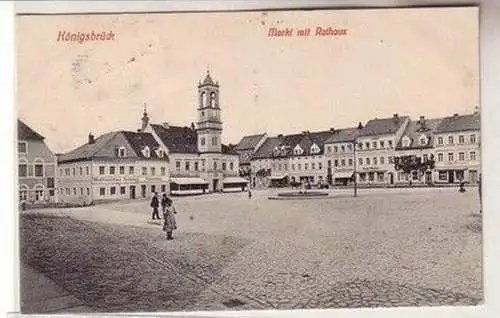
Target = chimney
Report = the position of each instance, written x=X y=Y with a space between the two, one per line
x=165 y=125
x=91 y=139
x=280 y=136
x=395 y=116
x=332 y=130
x=360 y=125
x=422 y=119
x=455 y=115
x=192 y=126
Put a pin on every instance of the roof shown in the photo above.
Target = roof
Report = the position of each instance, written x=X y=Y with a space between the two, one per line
x=104 y=146
x=139 y=140
x=343 y=135
x=384 y=126
x=249 y=142
x=266 y=150
x=228 y=150
x=177 y=139
x=414 y=131
x=24 y=132
x=460 y=123
x=208 y=80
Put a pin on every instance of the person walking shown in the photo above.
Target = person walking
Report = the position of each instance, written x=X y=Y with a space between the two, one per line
x=169 y=223
x=155 y=204
x=164 y=200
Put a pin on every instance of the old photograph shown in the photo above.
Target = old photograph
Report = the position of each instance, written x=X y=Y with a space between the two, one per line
x=252 y=160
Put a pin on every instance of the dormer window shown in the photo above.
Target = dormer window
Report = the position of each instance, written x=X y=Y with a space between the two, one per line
x=160 y=153
x=406 y=141
x=146 y=152
x=298 y=150
x=423 y=140
x=121 y=152
x=315 y=149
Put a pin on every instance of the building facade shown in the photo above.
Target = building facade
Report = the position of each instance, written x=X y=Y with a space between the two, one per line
x=116 y=165
x=36 y=167
x=199 y=163
x=246 y=148
x=457 y=149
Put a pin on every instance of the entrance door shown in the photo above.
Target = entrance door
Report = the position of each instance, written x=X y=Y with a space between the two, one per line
x=391 y=178
x=215 y=184
x=451 y=176
x=143 y=191
x=473 y=176
x=428 y=177
x=132 y=192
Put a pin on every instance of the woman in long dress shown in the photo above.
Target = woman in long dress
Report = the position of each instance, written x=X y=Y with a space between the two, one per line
x=169 y=224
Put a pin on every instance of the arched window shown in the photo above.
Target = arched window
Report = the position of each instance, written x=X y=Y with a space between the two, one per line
x=23 y=168
x=23 y=192
x=38 y=167
x=212 y=99
x=202 y=99
x=39 y=193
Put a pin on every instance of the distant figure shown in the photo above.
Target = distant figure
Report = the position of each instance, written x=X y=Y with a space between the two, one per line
x=169 y=224
x=164 y=201
x=155 y=204
x=249 y=194
x=462 y=187
x=480 y=197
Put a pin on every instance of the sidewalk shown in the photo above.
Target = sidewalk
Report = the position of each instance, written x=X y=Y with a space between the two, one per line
x=39 y=294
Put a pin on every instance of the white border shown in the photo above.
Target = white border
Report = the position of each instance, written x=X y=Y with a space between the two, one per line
x=490 y=101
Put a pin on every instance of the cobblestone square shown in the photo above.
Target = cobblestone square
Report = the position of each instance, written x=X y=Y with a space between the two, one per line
x=387 y=247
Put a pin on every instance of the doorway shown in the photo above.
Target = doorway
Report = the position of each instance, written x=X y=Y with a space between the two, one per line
x=428 y=177
x=391 y=177
x=132 y=192
x=473 y=176
x=215 y=183
x=451 y=176
x=143 y=191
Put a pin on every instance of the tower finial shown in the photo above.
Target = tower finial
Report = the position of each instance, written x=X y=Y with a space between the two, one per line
x=145 y=109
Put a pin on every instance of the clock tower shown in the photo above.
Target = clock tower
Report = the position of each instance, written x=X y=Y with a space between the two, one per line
x=209 y=125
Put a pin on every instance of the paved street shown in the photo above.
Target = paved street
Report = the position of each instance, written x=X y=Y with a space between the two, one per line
x=388 y=247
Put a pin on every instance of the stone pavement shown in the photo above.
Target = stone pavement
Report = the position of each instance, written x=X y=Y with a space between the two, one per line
x=397 y=247
x=40 y=294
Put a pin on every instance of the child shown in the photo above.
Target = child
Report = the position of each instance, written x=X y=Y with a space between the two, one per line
x=169 y=224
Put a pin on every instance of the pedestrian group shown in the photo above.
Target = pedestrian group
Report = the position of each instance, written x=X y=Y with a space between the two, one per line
x=168 y=209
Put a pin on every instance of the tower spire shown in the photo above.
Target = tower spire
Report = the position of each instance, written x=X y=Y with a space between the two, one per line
x=145 y=118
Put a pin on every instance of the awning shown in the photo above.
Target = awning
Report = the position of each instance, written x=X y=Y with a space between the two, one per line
x=188 y=181
x=342 y=175
x=234 y=180
x=277 y=177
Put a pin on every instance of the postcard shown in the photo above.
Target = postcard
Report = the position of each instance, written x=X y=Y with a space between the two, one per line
x=252 y=160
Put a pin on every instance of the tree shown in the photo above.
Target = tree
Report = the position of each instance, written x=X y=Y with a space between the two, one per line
x=411 y=163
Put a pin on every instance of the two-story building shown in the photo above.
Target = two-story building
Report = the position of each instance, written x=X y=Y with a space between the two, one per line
x=457 y=149
x=375 y=150
x=415 y=152
x=261 y=163
x=199 y=162
x=36 y=166
x=116 y=165
x=340 y=155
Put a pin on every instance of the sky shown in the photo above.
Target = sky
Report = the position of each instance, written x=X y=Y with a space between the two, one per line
x=408 y=61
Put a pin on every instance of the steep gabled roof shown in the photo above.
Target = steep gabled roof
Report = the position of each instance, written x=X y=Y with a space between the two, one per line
x=249 y=142
x=88 y=151
x=24 y=132
x=384 y=126
x=139 y=140
x=266 y=150
x=178 y=139
x=343 y=135
x=415 y=129
x=460 y=123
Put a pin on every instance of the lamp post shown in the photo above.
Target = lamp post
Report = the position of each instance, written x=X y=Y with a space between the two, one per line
x=354 y=172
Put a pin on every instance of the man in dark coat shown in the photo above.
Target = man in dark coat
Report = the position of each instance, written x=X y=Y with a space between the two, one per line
x=155 y=204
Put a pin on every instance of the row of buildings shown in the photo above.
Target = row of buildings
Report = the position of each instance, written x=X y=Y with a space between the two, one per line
x=386 y=151
x=157 y=157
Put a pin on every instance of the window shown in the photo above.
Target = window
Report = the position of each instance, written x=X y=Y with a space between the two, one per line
x=214 y=140
x=112 y=190
x=160 y=153
x=23 y=195
x=349 y=147
x=23 y=170
x=440 y=157
x=450 y=140
x=414 y=175
x=81 y=191
x=382 y=161
x=380 y=176
x=472 y=139
x=22 y=147
x=203 y=165
x=144 y=171
x=371 y=176
x=440 y=140
x=342 y=162
x=285 y=166
x=374 y=144
x=426 y=157
x=367 y=145
x=374 y=160
x=101 y=170
x=74 y=191
x=472 y=155
x=443 y=176
x=202 y=141
x=187 y=165
x=131 y=170
x=122 y=170
x=88 y=191
x=224 y=166
x=102 y=191
x=329 y=163
x=215 y=165
x=293 y=166
x=381 y=144
x=460 y=175
x=87 y=171
x=389 y=142
x=231 y=166
x=153 y=171
x=38 y=170
x=163 y=188
x=335 y=149
x=450 y=156
x=121 y=152
x=112 y=170
x=360 y=161
x=390 y=159
x=163 y=169
x=178 y=165
x=81 y=171
x=320 y=165
x=73 y=172
x=461 y=156
x=328 y=149
x=461 y=139
x=68 y=191
x=336 y=163
x=313 y=166
x=146 y=152
x=362 y=176
x=350 y=162
x=299 y=166
x=342 y=148
x=122 y=190
x=153 y=188
x=360 y=146
x=60 y=172
x=367 y=161
x=306 y=165
x=39 y=195
x=423 y=140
